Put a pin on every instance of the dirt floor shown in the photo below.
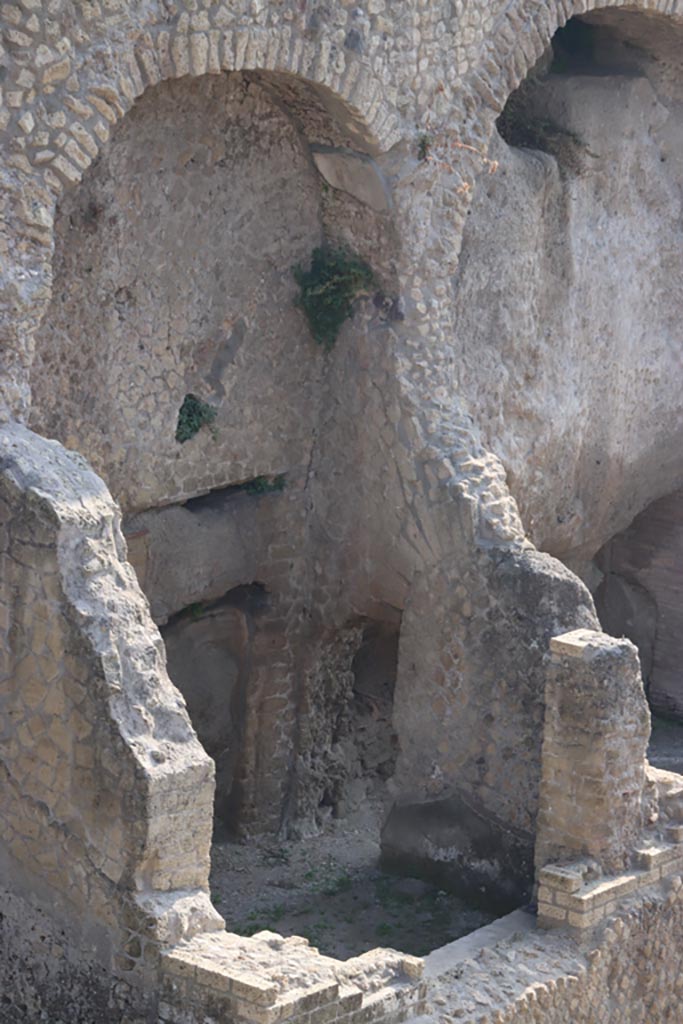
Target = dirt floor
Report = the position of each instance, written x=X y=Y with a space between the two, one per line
x=331 y=890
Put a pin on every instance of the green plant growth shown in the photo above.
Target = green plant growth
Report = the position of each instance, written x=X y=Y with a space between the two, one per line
x=342 y=883
x=265 y=484
x=329 y=287
x=193 y=415
x=424 y=144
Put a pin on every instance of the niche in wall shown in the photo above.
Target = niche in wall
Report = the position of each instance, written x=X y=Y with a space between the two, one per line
x=209 y=653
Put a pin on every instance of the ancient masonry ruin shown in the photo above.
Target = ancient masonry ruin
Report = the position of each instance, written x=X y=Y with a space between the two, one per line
x=267 y=567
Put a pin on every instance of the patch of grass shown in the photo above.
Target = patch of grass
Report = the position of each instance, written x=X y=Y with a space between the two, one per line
x=193 y=415
x=329 y=287
x=248 y=928
x=338 y=885
x=315 y=934
x=263 y=919
x=265 y=484
x=389 y=897
x=276 y=913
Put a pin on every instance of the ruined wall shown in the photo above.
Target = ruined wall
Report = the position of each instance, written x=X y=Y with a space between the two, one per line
x=376 y=510
x=186 y=235
x=469 y=767
x=347 y=745
x=595 y=738
x=99 y=761
x=628 y=972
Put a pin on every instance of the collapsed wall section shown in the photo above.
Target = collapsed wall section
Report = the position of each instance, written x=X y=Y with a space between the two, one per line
x=106 y=796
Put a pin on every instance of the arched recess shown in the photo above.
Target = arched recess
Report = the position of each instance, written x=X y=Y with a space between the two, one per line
x=57 y=134
x=316 y=130
x=524 y=32
x=582 y=338
x=183 y=236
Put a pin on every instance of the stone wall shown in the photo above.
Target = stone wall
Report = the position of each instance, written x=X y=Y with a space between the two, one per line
x=100 y=764
x=471 y=752
x=397 y=484
x=565 y=308
x=595 y=737
x=183 y=239
x=630 y=971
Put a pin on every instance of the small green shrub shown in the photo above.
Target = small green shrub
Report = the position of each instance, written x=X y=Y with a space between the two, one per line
x=328 y=289
x=193 y=415
x=424 y=144
x=265 y=484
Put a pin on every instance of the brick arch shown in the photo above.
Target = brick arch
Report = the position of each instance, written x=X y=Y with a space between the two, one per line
x=157 y=55
x=519 y=37
x=344 y=89
x=525 y=31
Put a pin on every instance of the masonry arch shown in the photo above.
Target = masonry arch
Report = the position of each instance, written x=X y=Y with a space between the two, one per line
x=524 y=32
x=78 y=127
x=599 y=208
x=183 y=237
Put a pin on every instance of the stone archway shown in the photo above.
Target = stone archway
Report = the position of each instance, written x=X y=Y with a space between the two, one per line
x=582 y=341
x=147 y=898
x=184 y=237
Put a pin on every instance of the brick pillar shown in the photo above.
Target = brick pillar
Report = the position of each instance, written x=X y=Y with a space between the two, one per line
x=597 y=727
